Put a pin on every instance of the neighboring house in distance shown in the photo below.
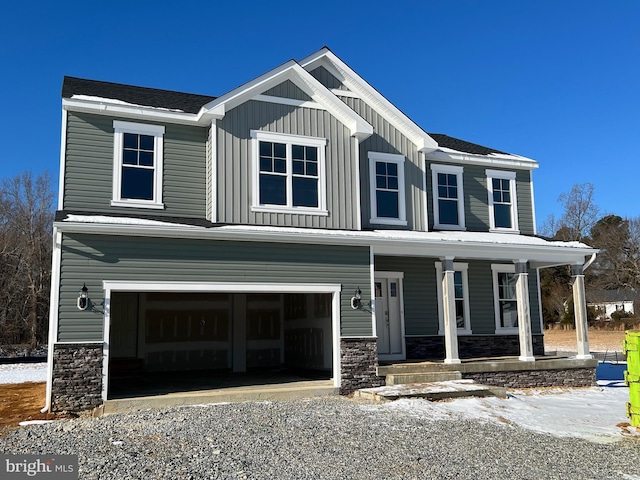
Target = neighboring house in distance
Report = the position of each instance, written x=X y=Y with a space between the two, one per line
x=607 y=302
x=300 y=220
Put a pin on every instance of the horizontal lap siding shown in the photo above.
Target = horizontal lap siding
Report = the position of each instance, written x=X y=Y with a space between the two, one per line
x=92 y=259
x=387 y=139
x=421 y=297
x=89 y=167
x=235 y=174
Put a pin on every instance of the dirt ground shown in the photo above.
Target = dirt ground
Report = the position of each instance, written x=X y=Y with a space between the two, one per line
x=20 y=402
x=599 y=340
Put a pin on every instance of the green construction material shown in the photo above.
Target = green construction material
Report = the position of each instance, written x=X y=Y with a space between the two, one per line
x=631 y=348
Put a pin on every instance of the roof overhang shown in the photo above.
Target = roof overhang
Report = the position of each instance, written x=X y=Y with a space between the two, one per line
x=468 y=245
x=292 y=71
x=355 y=83
x=449 y=155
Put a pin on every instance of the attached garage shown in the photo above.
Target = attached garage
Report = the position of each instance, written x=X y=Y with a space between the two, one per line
x=166 y=337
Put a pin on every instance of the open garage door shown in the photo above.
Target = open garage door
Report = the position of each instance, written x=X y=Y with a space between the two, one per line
x=173 y=341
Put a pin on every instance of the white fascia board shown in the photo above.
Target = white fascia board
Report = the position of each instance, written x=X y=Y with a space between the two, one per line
x=356 y=84
x=493 y=160
x=420 y=245
x=103 y=107
x=322 y=96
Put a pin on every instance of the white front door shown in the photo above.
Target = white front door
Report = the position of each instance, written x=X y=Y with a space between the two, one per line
x=388 y=295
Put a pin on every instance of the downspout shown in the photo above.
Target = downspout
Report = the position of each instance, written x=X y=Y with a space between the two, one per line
x=589 y=262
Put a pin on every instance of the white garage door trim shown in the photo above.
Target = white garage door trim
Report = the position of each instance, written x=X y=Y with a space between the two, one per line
x=226 y=287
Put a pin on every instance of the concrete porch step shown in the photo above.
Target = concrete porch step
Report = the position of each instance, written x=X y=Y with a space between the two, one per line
x=433 y=391
x=420 y=377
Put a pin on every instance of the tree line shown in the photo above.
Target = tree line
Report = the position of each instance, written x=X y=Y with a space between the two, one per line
x=26 y=242
x=617 y=265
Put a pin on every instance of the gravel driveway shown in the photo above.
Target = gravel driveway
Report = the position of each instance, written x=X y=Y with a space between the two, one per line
x=333 y=438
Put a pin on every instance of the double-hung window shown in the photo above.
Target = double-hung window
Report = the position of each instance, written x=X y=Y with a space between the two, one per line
x=503 y=209
x=137 y=165
x=448 y=197
x=386 y=176
x=461 y=289
x=289 y=173
x=504 y=297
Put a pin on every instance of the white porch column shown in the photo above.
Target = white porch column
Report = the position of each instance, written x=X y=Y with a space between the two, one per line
x=449 y=312
x=580 y=309
x=524 y=314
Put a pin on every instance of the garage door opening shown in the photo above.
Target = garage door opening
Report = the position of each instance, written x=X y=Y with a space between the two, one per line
x=162 y=342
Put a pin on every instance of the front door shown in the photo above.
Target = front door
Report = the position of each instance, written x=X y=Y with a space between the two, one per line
x=388 y=318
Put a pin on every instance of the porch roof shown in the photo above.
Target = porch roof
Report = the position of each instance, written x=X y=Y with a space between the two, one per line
x=463 y=245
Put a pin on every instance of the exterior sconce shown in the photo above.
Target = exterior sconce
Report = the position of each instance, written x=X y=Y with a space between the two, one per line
x=356 y=300
x=83 y=297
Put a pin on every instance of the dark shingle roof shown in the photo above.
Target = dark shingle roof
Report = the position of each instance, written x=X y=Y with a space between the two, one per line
x=462 y=145
x=151 y=97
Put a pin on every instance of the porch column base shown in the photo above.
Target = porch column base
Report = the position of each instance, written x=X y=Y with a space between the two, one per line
x=584 y=357
x=452 y=361
x=526 y=359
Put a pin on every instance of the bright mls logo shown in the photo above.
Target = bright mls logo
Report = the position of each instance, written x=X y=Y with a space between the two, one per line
x=51 y=467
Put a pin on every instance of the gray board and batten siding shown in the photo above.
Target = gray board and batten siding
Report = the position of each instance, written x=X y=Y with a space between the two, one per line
x=288 y=89
x=88 y=181
x=235 y=164
x=421 y=298
x=91 y=259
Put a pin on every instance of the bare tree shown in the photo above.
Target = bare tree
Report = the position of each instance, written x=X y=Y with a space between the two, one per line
x=580 y=212
x=26 y=215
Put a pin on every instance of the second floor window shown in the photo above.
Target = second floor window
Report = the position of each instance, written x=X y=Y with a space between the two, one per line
x=386 y=176
x=137 y=166
x=289 y=173
x=503 y=210
x=448 y=203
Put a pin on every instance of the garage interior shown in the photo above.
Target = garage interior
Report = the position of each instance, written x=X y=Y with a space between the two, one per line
x=164 y=342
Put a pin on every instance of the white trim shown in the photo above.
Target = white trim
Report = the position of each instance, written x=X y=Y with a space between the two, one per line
x=502 y=175
x=399 y=160
x=448 y=155
x=386 y=274
x=372 y=286
x=289 y=139
x=339 y=92
x=157 y=132
x=451 y=170
x=288 y=101
x=54 y=302
x=63 y=159
x=356 y=168
x=495 y=269
x=356 y=84
x=464 y=269
x=214 y=170
x=224 y=287
x=425 y=199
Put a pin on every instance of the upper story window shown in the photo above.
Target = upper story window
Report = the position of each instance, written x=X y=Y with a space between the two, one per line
x=289 y=173
x=137 y=165
x=448 y=197
x=461 y=292
x=503 y=209
x=504 y=297
x=386 y=174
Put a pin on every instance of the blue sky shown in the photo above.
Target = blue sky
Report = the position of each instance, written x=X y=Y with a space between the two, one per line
x=555 y=81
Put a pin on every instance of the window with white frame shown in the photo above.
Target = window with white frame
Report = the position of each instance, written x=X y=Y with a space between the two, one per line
x=448 y=195
x=461 y=289
x=386 y=174
x=503 y=208
x=289 y=173
x=504 y=297
x=137 y=165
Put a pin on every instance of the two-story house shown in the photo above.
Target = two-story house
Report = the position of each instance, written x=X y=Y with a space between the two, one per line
x=299 y=222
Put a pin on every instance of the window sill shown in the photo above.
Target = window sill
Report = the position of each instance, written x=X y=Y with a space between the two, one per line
x=388 y=221
x=504 y=230
x=294 y=210
x=137 y=204
x=450 y=227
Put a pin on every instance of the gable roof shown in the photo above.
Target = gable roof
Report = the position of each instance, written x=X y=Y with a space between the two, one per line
x=143 y=96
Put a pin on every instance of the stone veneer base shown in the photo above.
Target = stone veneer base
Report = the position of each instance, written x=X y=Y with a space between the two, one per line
x=77 y=376
x=358 y=362
x=470 y=346
x=575 y=377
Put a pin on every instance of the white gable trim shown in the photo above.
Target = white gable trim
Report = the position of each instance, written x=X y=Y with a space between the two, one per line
x=288 y=101
x=359 y=87
x=303 y=80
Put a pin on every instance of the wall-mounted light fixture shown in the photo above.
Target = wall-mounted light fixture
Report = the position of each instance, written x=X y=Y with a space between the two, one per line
x=356 y=300
x=83 y=297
